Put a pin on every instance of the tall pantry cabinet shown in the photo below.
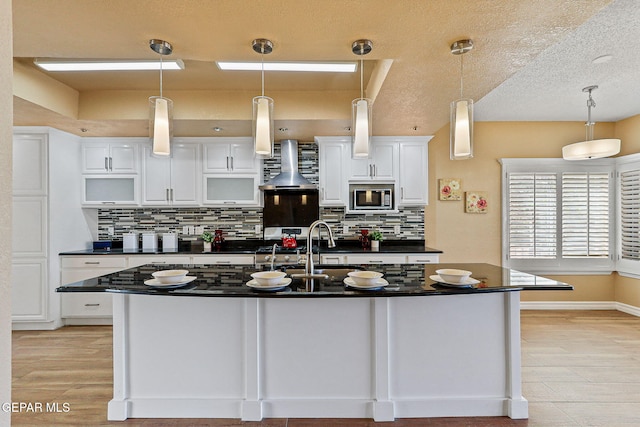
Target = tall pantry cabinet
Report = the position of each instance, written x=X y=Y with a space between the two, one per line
x=47 y=219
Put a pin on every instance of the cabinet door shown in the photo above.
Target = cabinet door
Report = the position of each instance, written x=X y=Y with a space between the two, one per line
x=413 y=174
x=185 y=174
x=375 y=258
x=224 y=259
x=361 y=169
x=95 y=157
x=332 y=173
x=156 y=178
x=216 y=158
x=110 y=190
x=29 y=227
x=385 y=157
x=29 y=165
x=29 y=289
x=86 y=305
x=243 y=159
x=240 y=190
x=123 y=158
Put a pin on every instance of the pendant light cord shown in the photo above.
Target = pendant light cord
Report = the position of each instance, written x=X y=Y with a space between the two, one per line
x=361 y=78
x=160 y=76
x=461 y=73
x=262 y=58
x=589 y=124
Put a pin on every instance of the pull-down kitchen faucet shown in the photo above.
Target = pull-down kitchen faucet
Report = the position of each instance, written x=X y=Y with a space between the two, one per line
x=331 y=243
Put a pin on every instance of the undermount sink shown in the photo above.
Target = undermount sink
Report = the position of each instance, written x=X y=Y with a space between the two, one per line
x=327 y=272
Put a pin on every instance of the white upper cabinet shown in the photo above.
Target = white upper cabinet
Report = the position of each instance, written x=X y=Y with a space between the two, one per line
x=172 y=180
x=231 y=172
x=333 y=153
x=413 y=177
x=382 y=164
x=401 y=161
x=230 y=155
x=112 y=155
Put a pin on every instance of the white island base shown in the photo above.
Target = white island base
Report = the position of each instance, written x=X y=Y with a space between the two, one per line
x=313 y=357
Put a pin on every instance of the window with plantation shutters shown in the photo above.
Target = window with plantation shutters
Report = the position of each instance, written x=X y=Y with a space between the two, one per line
x=557 y=215
x=532 y=215
x=628 y=262
x=630 y=215
x=585 y=215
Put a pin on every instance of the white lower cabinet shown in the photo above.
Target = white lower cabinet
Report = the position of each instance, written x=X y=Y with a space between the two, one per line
x=87 y=308
x=243 y=259
x=423 y=259
x=29 y=296
x=138 y=260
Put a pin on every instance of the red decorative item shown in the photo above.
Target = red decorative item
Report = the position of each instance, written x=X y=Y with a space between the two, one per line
x=218 y=239
x=365 y=241
x=289 y=242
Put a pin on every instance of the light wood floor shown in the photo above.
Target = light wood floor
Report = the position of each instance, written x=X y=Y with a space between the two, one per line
x=580 y=368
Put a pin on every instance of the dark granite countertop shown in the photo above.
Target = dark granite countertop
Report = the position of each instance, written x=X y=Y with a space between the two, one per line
x=404 y=280
x=250 y=246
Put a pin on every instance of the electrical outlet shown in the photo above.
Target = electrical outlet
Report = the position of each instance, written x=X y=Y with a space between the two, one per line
x=257 y=229
x=345 y=229
x=396 y=229
x=185 y=230
x=111 y=231
x=199 y=229
x=191 y=230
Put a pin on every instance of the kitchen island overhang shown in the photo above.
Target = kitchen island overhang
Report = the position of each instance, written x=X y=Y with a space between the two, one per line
x=416 y=351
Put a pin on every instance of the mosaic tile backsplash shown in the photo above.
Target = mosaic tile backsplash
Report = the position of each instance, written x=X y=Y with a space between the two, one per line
x=240 y=223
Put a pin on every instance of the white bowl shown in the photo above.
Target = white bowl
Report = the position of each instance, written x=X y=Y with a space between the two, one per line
x=268 y=278
x=453 y=275
x=364 y=278
x=167 y=277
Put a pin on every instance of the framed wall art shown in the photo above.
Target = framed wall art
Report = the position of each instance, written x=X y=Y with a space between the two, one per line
x=449 y=189
x=475 y=202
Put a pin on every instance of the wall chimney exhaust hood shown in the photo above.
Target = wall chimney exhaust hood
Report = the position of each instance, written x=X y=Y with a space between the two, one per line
x=289 y=177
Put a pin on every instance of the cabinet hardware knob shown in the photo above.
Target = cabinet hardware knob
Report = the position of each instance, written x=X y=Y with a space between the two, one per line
x=106 y=163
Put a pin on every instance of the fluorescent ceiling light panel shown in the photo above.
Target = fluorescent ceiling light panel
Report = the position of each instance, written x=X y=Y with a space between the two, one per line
x=103 y=65
x=318 y=67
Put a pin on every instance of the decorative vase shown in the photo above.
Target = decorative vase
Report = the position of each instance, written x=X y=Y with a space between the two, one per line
x=375 y=245
x=218 y=240
x=207 y=246
x=364 y=239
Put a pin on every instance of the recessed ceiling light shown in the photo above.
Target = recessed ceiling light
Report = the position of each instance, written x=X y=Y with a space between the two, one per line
x=321 y=67
x=602 y=59
x=107 y=65
x=217 y=129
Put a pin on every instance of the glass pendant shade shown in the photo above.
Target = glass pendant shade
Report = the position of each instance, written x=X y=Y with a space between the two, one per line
x=593 y=149
x=263 y=131
x=461 y=143
x=160 y=124
x=361 y=126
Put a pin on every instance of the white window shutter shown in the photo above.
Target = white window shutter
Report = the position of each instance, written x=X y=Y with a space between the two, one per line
x=630 y=215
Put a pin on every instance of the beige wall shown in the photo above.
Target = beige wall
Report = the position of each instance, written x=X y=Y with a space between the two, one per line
x=477 y=237
x=6 y=145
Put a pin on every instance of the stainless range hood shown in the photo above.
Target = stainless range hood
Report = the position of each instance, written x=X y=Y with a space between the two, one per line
x=289 y=177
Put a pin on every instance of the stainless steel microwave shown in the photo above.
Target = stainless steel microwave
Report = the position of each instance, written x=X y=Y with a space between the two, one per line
x=367 y=198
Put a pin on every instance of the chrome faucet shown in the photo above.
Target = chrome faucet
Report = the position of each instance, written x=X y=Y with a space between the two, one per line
x=331 y=243
x=273 y=254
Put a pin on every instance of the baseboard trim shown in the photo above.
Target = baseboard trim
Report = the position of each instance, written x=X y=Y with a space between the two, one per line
x=629 y=309
x=580 y=305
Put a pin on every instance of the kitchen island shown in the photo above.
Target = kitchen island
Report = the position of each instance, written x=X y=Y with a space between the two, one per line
x=217 y=348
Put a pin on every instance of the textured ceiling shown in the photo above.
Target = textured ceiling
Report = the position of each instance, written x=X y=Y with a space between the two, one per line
x=513 y=63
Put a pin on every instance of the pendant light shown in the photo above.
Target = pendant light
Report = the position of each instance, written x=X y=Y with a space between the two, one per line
x=590 y=148
x=262 y=125
x=461 y=133
x=361 y=107
x=161 y=109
